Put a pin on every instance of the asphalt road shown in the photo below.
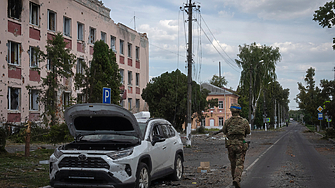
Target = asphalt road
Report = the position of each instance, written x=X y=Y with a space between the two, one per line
x=291 y=161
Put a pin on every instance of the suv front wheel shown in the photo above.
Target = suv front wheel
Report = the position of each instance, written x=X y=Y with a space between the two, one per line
x=178 y=168
x=142 y=176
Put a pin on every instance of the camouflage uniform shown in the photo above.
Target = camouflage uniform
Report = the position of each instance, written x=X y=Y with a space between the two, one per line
x=236 y=128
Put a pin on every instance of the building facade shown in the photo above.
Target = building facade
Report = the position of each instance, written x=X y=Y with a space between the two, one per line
x=216 y=116
x=29 y=23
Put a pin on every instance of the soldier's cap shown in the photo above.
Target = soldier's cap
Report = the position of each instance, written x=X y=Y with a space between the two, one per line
x=235 y=107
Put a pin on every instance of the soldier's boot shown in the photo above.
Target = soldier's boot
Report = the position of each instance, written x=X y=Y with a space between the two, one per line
x=236 y=183
x=233 y=173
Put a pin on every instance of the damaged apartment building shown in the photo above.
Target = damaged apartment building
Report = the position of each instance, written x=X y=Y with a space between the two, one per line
x=29 y=23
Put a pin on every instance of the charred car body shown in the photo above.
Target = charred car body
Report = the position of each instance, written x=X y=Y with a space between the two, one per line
x=114 y=149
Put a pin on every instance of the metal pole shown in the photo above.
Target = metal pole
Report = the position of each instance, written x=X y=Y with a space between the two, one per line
x=189 y=76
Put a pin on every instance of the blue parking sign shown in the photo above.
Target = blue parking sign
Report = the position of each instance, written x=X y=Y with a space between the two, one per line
x=106 y=95
x=320 y=116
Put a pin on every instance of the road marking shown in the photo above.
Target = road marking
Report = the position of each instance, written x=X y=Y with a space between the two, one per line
x=252 y=164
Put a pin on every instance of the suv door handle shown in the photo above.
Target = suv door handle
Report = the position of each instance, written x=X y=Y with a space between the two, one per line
x=164 y=147
x=175 y=143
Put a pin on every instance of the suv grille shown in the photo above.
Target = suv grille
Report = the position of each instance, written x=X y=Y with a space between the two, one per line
x=90 y=162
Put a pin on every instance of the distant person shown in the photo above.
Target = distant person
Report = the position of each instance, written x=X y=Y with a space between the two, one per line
x=236 y=129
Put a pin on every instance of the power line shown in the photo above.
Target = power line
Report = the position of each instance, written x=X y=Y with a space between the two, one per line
x=167 y=50
x=217 y=40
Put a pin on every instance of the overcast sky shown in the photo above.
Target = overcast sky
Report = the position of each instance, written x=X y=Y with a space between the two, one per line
x=286 y=24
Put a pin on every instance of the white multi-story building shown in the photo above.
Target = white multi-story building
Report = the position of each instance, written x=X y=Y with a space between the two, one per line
x=29 y=23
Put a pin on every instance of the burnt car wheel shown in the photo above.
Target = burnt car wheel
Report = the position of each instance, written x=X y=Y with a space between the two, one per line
x=142 y=176
x=178 y=168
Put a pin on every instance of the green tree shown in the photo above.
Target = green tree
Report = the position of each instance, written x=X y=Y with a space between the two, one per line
x=104 y=72
x=166 y=96
x=218 y=81
x=258 y=65
x=327 y=94
x=326 y=16
x=61 y=61
x=308 y=97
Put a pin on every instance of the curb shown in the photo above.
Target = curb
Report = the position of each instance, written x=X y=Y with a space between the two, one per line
x=332 y=140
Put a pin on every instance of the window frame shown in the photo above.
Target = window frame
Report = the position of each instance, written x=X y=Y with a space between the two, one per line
x=113 y=43
x=137 y=53
x=220 y=105
x=55 y=20
x=137 y=104
x=130 y=100
x=9 y=58
x=221 y=122
x=14 y=6
x=122 y=47
x=103 y=37
x=31 y=19
x=137 y=81
x=130 y=46
x=9 y=98
x=67 y=26
x=92 y=36
x=80 y=31
x=33 y=57
x=122 y=75
x=32 y=99
x=79 y=66
x=66 y=99
x=130 y=77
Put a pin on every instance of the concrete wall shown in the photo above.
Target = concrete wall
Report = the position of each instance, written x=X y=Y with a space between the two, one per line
x=90 y=13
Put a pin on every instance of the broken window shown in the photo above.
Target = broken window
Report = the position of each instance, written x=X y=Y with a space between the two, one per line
x=121 y=47
x=130 y=77
x=137 y=79
x=14 y=8
x=103 y=36
x=137 y=53
x=67 y=26
x=80 y=69
x=80 y=31
x=14 y=53
x=33 y=57
x=92 y=35
x=129 y=50
x=34 y=14
x=51 y=20
x=13 y=98
x=113 y=39
x=33 y=100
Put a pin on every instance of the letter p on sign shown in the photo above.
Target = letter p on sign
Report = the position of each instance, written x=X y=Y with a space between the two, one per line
x=106 y=95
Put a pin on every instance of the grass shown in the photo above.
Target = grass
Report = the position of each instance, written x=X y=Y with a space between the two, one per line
x=19 y=171
x=311 y=127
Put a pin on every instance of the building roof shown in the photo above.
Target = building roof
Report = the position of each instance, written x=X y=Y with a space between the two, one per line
x=214 y=90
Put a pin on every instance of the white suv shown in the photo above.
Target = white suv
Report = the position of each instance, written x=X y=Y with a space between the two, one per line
x=114 y=149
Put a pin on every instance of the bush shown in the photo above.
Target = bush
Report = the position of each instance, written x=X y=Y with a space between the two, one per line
x=55 y=134
x=330 y=133
x=3 y=137
x=59 y=133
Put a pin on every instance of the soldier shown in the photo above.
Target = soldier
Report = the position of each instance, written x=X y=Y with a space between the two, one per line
x=236 y=129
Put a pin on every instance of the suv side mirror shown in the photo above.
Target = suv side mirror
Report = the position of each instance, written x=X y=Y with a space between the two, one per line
x=156 y=139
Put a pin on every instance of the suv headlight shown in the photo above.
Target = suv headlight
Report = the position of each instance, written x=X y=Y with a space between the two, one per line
x=120 y=154
x=57 y=153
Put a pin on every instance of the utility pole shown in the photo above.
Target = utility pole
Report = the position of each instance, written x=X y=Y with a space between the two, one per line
x=189 y=10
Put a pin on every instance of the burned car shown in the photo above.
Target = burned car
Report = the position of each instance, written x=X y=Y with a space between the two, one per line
x=113 y=148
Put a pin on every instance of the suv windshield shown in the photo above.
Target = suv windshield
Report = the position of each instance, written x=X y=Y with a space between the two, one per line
x=142 y=128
